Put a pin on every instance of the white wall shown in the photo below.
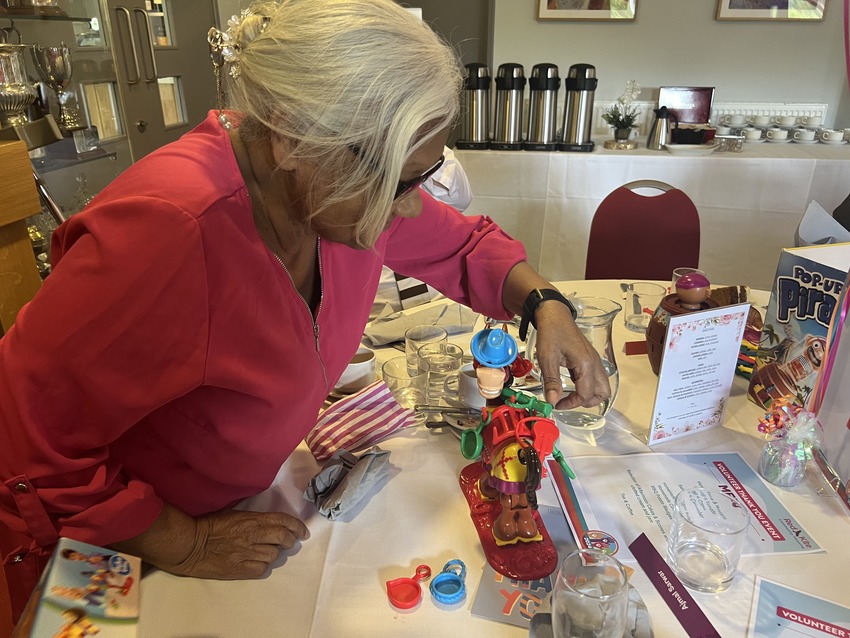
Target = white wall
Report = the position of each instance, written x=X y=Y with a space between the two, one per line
x=679 y=43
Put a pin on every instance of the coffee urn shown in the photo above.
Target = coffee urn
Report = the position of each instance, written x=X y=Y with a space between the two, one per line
x=579 y=87
x=510 y=87
x=475 y=123
x=543 y=108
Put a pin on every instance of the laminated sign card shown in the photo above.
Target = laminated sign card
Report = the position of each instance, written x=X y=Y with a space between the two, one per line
x=700 y=354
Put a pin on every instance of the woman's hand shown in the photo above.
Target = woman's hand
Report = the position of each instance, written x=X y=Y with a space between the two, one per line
x=226 y=545
x=561 y=343
x=232 y=544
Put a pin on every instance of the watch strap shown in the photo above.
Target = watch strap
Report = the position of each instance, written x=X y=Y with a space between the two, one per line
x=534 y=299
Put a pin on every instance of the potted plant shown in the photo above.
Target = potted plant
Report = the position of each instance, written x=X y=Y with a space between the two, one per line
x=622 y=115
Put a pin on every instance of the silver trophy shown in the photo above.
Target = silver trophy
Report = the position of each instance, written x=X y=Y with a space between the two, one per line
x=16 y=93
x=54 y=66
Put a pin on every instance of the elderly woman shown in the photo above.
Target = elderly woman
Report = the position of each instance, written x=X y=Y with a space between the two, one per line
x=204 y=304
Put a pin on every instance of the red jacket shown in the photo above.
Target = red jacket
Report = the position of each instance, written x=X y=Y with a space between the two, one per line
x=168 y=357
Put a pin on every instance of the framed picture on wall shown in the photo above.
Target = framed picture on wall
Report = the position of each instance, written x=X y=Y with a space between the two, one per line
x=806 y=10
x=586 y=9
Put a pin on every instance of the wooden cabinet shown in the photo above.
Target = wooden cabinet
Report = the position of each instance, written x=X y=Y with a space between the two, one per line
x=19 y=278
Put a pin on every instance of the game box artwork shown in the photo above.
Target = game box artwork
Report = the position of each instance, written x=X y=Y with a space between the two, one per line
x=805 y=293
x=86 y=591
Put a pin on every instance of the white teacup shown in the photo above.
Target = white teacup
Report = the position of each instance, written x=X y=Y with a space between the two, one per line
x=777 y=134
x=811 y=121
x=847 y=134
x=759 y=120
x=804 y=134
x=831 y=135
x=752 y=133
x=467 y=388
x=785 y=120
x=359 y=373
x=734 y=119
x=722 y=130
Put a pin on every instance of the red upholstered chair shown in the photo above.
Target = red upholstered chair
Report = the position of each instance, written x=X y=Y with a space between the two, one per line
x=636 y=236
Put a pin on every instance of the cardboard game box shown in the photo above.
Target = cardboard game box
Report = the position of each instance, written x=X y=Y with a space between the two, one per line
x=86 y=591
x=805 y=292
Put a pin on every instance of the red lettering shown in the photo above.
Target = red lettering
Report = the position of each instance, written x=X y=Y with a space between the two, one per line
x=510 y=600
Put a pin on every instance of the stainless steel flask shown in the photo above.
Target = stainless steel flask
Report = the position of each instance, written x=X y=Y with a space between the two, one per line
x=475 y=122
x=579 y=87
x=660 y=134
x=510 y=88
x=542 y=108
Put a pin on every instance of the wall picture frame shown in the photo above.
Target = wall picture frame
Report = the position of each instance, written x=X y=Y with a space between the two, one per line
x=772 y=10
x=605 y=10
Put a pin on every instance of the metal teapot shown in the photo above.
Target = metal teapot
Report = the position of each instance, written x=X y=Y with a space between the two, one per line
x=660 y=133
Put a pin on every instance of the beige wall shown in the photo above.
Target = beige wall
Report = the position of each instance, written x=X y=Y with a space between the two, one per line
x=678 y=42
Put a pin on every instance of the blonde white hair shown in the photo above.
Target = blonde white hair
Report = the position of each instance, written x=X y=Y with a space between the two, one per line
x=357 y=85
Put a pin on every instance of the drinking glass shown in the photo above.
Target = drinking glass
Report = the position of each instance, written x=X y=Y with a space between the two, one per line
x=409 y=387
x=444 y=361
x=681 y=272
x=706 y=538
x=590 y=597
x=418 y=336
x=642 y=298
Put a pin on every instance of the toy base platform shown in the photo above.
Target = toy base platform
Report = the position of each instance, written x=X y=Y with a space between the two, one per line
x=522 y=560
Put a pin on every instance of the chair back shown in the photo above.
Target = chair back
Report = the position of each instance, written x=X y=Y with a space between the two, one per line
x=634 y=236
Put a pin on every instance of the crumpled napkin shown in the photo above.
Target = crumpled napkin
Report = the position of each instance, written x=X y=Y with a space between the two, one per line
x=453 y=318
x=358 y=421
x=345 y=479
x=638 y=624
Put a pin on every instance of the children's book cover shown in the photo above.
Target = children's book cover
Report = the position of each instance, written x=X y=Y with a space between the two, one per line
x=805 y=293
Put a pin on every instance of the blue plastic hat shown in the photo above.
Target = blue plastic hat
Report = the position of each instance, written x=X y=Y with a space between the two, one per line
x=494 y=348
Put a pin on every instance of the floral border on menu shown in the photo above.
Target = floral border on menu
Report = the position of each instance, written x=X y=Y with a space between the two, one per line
x=619 y=10
x=787 y=10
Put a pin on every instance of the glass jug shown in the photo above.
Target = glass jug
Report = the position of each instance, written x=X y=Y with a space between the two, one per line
x=595 y=318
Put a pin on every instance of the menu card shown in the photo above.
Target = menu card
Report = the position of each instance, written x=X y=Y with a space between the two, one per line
x=700 y=355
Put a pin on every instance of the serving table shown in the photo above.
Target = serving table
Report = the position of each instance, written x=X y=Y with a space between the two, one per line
x=749 y=203
x=333 y=584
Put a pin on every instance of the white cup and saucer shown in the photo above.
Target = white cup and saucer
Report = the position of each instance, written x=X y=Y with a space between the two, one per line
x=811 y=121
x=777 y=135
x=832 y=136
x=467 y=388
x=360 y=372
x=805 y=136
x=785 y=121
x=735 y=120
x=759 y=120
x=752 y=135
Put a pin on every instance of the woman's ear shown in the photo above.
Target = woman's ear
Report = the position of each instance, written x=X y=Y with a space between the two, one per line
x=282 y=152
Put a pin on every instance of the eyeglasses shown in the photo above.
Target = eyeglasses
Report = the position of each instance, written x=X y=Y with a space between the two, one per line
x=404 y=188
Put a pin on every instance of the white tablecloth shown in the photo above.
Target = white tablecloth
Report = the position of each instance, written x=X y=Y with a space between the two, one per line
x=749 y=203
x=334 y=583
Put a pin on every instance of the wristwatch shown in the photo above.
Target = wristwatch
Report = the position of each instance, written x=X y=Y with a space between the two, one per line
x=534 y=299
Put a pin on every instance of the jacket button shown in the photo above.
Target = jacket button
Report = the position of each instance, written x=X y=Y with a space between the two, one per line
x=18 y=558
x=22 y=488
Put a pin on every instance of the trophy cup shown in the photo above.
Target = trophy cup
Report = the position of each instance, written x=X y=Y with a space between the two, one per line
x=54 y=66
x=16 y=94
